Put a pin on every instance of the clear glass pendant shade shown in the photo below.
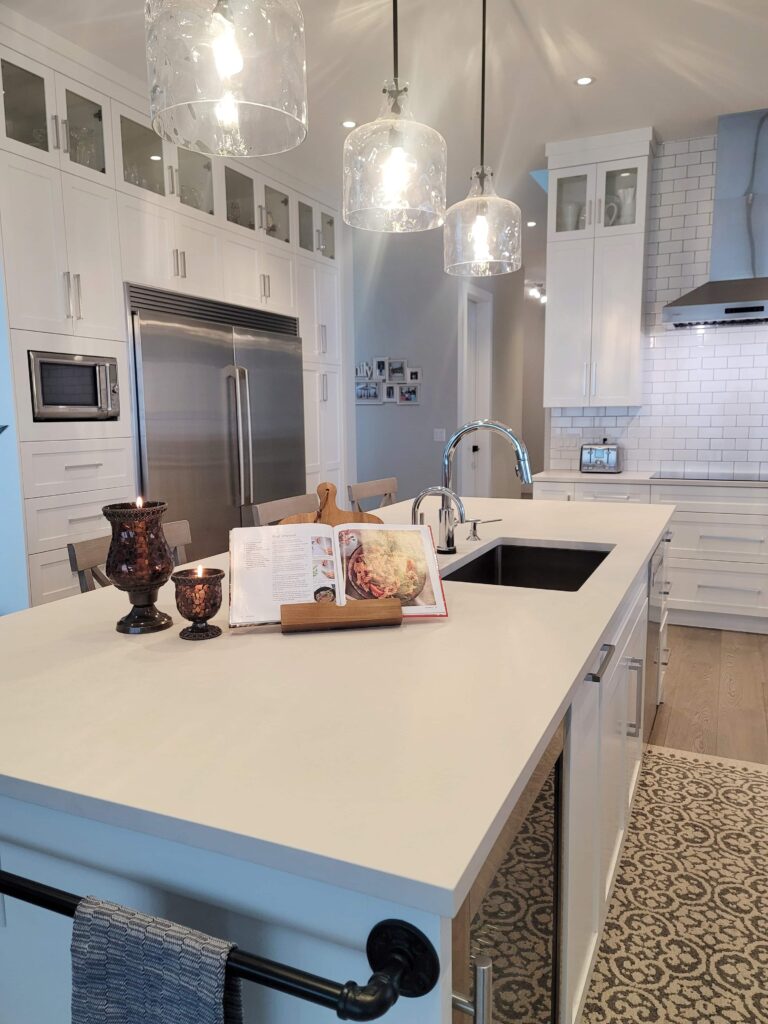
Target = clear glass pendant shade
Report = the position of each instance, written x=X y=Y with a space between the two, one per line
x=482 y=235
x=227 y=77
x=394 y=170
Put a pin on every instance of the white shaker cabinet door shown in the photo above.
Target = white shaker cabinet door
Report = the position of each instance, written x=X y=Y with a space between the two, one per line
x=240 y=261
x=635 y=665
x=568 y=325
x=581 y=851
x=328 y=313
x=613 y=772
x=93 y=245
x=279 y=284
x=306 y=299
x=615 y=373
x=198 y=246
x=331 y=416
x=312 y=428
x=34 y=246
x=146 y=242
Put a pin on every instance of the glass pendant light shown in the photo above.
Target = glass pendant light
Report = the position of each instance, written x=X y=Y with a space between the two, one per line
x=482 y=236
x=394 y=167
x=227 y=77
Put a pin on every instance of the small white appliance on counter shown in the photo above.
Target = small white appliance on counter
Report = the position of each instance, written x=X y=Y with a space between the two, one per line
x=600 y=458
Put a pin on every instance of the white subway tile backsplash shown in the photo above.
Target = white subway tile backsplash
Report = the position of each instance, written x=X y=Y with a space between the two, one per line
x=705 y=390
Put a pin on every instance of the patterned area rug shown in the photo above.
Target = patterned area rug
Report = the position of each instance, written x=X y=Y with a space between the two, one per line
x=686 y=940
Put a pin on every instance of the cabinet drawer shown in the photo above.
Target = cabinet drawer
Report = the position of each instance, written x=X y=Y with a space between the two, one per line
x=701 y=498
x=553 y=491
x=620 y=493
x=720 y=537
x=69 y=467
x=55 y=521
x=707 y=586
x=50 y=577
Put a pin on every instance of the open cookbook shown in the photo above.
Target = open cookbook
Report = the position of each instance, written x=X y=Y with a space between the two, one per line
x=294 y=564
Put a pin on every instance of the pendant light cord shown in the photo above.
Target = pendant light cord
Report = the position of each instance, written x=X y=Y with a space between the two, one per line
x=482 y=99
x=394 y=42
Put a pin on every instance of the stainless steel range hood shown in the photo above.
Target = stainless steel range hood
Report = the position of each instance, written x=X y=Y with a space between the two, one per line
x=738 y=291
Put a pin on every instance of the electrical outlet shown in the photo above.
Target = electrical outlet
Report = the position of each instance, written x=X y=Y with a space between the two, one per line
x=438 y=434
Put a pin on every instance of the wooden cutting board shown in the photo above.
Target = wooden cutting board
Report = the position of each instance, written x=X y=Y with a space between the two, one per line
x=329 y=512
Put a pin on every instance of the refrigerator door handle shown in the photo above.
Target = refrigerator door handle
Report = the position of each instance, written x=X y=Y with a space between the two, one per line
x=234 y=373
x=249 y=422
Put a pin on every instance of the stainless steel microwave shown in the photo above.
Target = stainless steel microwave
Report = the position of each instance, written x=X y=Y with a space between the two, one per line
x=73 y=387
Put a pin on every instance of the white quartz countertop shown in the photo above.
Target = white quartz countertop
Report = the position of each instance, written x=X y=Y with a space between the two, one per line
x=569 y=476
x=383 y=761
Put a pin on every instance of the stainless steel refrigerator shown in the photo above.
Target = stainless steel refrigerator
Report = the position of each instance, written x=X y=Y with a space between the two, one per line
x=221 y=417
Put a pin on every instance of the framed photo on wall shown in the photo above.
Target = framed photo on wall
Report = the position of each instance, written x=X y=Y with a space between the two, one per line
x=396 y=369
x=380 y=368
x=390 y=393
x=413 y=375
x=408 y=394
x=368 y=392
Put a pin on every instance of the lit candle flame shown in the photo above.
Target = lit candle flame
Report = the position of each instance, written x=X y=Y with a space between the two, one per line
x=139 y=502
x=199 y=570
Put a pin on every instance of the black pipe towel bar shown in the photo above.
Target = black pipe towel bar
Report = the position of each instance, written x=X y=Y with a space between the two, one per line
x=403 y=960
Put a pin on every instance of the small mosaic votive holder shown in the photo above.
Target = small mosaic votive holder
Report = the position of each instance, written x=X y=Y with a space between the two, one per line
x=198 y=598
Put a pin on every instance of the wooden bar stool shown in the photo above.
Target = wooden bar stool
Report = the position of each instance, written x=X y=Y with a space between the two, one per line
x=87 y=556
x=385 y=489
x=270 y=512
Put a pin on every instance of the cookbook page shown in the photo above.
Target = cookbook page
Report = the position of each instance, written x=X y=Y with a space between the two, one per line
x=274 y=565
x=377 y=560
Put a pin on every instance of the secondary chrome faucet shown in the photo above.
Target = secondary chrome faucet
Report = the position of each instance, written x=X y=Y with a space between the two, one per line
x=447 y=523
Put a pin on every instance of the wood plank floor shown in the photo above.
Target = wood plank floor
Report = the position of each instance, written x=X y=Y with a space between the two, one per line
x=715 y=694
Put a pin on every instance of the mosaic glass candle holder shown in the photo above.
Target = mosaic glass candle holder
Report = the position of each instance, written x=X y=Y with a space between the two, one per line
x=198 y=598
x=139 y=562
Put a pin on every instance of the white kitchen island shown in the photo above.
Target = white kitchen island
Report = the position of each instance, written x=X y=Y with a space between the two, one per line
x=288 y=792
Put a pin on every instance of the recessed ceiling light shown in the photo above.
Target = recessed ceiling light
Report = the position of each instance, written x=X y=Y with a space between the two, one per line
x=585 y=80
x=349 y=124
x=531 y=224
x=154 y=156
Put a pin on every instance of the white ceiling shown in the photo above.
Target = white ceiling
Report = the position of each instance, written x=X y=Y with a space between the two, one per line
x=673 y=64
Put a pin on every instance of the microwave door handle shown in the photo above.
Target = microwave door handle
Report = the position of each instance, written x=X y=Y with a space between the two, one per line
x=247 y=382
x=105 y=400
x=234 y=374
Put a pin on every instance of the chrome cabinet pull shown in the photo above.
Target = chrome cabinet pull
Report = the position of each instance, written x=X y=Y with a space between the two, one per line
x=589 y=212
x=608 y=651
x=78 y=296
x=633 y=728
x=183 y=261
x=599 y=214
x=175 y=262
x=323 y=339
x=481 y=1005
x=262 y=287
x=56 y=139
x=84 y=519
x=737 y=590
x=65 y=133
x=269 y=285
x=171 y=191
x=723 y=536
x=261 y=216
x=249 y=439
x=234 y=373
x=68 y=283
x=594 y=379
x=85 y=465
x=325 y=387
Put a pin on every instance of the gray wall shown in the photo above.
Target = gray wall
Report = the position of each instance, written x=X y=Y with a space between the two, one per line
x=406 y=305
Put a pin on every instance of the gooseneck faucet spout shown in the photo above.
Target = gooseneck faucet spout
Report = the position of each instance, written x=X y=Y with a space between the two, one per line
x=523 y=467
x=446 y=544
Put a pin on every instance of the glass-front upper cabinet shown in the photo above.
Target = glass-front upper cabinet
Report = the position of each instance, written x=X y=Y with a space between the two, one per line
x=277 y=214
x=240 y=201
x=142 y=167
x=326 y=243
x=195 y=180
x=621 y=192
x=27 y=111
x=571 y=202
x=306 y=215
x=85 y=130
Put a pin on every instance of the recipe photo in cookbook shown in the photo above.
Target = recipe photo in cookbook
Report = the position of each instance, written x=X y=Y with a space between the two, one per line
x=296 y=564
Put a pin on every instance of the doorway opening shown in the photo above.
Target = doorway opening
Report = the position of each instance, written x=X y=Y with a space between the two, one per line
x=474 y=391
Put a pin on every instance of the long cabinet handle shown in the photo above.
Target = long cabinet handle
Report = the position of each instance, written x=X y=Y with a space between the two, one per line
x=65 y=134
x=724 y=536
x=323 y=339
x=481 y=1005
x=262 y=288
x=599 y=213
x=608 y=651
x=84 y=519
x=633 y=728
x=56 y=137
x=594 y=379
x=269 y=285
x=78 y=295
x=171 y=190
x=325 y=387
x=234 y=373
x=261 y=216
x=175 y=262
x=84 y=465
x=737 y=590
x=589 y=213
x=70 y=306
x=249 y=439
x=183 y=260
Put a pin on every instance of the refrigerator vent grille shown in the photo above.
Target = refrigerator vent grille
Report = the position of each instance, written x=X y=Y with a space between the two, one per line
x=155 y=301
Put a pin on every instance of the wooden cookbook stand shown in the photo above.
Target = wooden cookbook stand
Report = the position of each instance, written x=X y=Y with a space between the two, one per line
x=302 y=618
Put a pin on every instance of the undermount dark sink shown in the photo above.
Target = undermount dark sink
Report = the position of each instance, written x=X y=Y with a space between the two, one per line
x=537 y=566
